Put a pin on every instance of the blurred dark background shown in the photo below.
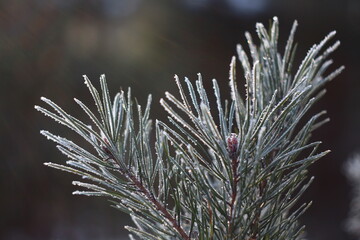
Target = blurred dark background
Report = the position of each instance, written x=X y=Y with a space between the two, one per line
x=46 y=47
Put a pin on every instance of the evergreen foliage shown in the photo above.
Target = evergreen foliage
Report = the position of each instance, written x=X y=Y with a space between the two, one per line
x=233 y=171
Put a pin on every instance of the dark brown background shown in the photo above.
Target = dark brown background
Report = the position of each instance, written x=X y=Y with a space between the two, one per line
x=46 y=46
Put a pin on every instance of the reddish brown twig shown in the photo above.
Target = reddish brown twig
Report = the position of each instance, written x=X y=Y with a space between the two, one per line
x=232 y=146
x=160 y=207
x=140 y=186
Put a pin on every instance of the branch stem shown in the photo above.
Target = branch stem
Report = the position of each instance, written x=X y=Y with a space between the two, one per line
x=160 y=207
x=234 y=166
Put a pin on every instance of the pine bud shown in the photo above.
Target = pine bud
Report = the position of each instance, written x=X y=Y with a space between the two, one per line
x=232 y=145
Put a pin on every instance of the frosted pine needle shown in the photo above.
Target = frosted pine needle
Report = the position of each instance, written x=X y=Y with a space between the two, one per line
x=230 y=169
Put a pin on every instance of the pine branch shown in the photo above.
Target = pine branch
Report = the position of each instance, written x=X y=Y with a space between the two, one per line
x=232 y=173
